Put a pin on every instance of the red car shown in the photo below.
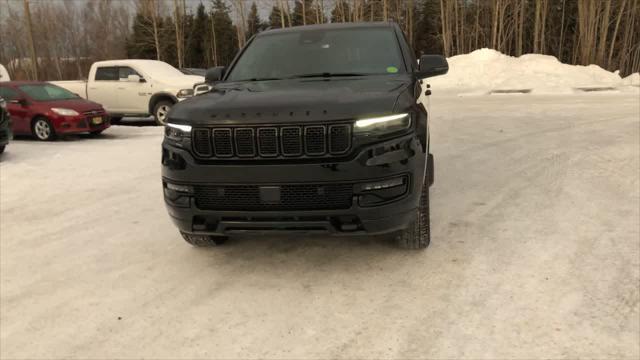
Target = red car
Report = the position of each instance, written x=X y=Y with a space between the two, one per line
x=46 y=110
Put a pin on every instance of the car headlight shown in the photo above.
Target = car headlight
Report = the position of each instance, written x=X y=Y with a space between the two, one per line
x=383 y=124
x=184 y=93
x=64 y=112
x=177 y=132
x=3 y=104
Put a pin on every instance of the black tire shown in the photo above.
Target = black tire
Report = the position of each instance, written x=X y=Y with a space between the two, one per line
x=38 y=129
x=2 y=149
x=96 y=133
x=418 y=234
x=161 y=111
x=203 y=240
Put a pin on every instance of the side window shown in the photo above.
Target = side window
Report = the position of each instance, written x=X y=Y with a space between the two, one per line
x=8 y=93
x=107 y=73
x=125 y=71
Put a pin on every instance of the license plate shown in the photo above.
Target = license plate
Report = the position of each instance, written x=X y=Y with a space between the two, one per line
x=96 y=120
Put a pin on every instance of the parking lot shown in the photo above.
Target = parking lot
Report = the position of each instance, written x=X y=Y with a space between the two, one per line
x=535 y=251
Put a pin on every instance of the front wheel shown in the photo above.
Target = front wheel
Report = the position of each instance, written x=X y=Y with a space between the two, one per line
x=417 y=235
x=43 y=130
x=2 y=149
x=96 y=133
x=161 y=111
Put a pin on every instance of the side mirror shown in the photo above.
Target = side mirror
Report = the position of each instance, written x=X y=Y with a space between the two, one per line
x=134 y=78
x=214 y=74
x=432 y=65
x=201 y=88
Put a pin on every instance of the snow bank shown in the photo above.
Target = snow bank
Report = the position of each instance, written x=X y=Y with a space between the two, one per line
x=488 y=71
x=632 y=80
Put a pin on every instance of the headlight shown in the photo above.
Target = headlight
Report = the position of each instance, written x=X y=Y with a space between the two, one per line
x=383 y=124
x=177 y=132
x=64 y=112
x=184 y=93
x=3 y=104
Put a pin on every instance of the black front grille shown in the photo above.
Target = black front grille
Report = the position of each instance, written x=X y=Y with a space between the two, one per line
x=93 y=112
x=272 y=141
x=291 y=197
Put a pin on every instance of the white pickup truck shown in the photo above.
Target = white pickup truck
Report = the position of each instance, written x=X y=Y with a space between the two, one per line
x=4 y=74
x=134 y=87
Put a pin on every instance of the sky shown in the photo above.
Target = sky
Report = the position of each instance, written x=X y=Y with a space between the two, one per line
x=264 y=6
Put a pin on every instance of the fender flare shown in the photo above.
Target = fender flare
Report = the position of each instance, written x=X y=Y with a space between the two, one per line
x=161 y=96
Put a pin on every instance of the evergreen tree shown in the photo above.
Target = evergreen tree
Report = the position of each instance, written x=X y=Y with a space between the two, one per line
x=226 y=39
x=168 y=41
x=254 y=24
x=140 y=45
x=275 y=20
x=195 y=52
x=297 y=16
x=427 y=37
x=340 y=12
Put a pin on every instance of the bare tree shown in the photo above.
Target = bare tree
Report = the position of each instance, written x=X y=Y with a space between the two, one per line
x=178 y=22
x=241 y=27
x=150 y=10
x=32 y=45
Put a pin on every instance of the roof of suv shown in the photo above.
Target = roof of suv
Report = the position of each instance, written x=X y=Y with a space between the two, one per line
x=377 y=24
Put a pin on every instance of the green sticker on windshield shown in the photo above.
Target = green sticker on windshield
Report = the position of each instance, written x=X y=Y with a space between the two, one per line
x=392 y=69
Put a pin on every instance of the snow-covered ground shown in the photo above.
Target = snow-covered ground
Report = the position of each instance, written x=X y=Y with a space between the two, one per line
x=534 y=254
x=488 y=71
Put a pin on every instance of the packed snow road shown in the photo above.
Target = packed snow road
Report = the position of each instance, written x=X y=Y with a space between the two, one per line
x=535 y=251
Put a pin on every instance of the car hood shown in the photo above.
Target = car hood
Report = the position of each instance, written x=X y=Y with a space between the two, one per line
x=297 y=100
x=79 y=105
x=181 y=82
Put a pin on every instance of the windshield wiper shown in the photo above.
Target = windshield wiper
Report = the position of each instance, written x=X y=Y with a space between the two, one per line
x=326 y=75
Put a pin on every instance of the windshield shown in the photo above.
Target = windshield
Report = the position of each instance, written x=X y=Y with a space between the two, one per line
x=47 y=92
x=324 y=52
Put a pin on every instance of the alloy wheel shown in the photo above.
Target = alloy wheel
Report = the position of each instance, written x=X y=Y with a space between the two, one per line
x=42 y=129
x=161 y=113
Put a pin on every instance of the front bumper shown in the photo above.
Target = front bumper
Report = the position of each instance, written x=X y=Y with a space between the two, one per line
x=392 y=159
x=80 y=124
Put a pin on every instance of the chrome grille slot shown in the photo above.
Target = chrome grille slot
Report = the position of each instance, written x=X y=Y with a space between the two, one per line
x=202 y=142
x=291 y=138
x=244 y=142
x=222 y=142
x=268 y=142
x=315 y=140
x=339 y=138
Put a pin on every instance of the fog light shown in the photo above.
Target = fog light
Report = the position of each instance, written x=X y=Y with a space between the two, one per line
x=385 y=184
x=180 y=188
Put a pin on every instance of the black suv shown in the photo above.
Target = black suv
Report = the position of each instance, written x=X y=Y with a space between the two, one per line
x=312 y=129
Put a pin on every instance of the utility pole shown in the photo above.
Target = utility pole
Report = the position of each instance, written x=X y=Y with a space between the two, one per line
x=32 y=46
